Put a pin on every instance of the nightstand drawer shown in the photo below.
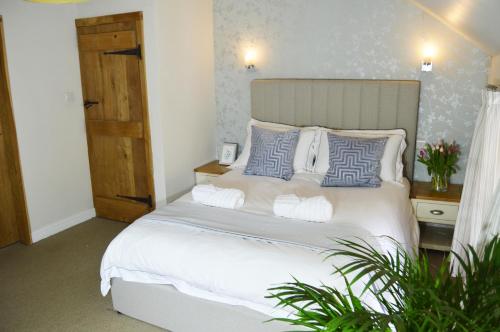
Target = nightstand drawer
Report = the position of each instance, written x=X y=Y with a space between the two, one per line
x=436 y=212
x=205 y=178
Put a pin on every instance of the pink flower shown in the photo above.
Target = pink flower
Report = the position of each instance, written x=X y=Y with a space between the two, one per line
x=453 y=148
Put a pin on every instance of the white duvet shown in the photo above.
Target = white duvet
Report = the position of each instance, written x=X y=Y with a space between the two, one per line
x=234 y=256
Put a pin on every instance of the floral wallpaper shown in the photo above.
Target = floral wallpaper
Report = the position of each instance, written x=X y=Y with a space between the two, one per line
x=376 y=39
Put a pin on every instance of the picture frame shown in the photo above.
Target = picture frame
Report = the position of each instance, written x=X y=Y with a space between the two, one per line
x=228 y=154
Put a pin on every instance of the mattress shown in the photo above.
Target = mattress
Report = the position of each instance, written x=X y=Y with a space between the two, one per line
x=234 y=256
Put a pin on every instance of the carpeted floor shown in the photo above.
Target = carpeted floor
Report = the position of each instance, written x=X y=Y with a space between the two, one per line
x=53 y=285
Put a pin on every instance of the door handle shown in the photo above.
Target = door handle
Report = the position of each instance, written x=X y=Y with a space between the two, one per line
x=89 y=103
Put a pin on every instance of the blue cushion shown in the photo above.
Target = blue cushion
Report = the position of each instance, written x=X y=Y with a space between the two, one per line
x=354 y=161
x=272 y=153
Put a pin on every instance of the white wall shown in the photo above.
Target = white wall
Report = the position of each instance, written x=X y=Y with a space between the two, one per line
x=185 y=42
x=494 y=77
x=43 y=65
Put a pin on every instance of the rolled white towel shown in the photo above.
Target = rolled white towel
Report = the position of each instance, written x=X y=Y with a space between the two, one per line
x=202 y=192
x=316 y=208
x=211 y=195
x=284 y=205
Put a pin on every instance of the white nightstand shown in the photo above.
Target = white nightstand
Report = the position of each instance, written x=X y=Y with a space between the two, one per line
x=436 y=213
x=208 y=172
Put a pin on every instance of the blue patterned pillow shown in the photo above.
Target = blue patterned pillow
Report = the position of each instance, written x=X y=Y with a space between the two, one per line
x=354 y=161
x=272 y=153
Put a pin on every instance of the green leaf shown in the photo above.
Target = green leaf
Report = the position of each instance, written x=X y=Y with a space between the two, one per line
x=413 y=298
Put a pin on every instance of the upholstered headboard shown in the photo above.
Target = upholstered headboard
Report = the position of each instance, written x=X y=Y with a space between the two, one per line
x=341 y=104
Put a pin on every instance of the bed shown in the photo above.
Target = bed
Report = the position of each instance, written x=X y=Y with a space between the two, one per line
x=189 y=267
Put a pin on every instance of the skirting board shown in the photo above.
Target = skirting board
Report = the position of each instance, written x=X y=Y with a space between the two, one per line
x=175 y=196
x=62 y=225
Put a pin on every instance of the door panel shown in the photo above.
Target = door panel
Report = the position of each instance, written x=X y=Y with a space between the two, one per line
x=133 y=129
x=107 y=41
x=14 y=223
x=8 y=223
x=116 y=115
x=111 y=27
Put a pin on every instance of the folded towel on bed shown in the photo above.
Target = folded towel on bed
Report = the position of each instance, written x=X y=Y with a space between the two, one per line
x=208 y=194
x=316 y=208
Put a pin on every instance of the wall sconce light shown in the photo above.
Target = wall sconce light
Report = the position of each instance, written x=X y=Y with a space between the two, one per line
x=57 y=1
x=250 y=56
x=428 y=53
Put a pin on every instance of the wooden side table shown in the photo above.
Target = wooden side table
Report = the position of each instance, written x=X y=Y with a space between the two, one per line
x=207 y=173
x=436 y=213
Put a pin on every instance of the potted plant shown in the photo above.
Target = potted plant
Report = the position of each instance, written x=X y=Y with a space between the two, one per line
x=412 y=297
x=441 y=161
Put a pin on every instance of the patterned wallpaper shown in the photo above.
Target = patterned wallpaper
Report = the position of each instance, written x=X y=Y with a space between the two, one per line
x=378 y=39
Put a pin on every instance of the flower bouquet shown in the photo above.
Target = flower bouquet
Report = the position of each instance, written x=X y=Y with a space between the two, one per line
x=441 y=161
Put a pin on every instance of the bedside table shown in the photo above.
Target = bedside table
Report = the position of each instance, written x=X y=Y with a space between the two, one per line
x=436 y=213
x=207 y=173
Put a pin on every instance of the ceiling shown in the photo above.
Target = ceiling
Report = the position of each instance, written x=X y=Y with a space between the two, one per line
x=478 y=20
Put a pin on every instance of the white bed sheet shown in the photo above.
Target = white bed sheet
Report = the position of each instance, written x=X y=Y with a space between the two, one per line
x=233 y=257
x=383 y=211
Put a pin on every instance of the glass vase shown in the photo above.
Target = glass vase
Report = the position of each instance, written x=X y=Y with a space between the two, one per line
x=439 y=182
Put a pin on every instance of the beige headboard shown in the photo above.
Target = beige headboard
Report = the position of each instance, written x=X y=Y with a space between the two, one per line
x=341 y=104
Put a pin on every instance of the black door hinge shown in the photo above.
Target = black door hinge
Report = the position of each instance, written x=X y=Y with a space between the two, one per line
x=131 y=51
x=89 y=103
x=146 y=200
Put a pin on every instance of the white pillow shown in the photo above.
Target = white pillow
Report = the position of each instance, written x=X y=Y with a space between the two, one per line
x=391 y=162
x=304 y=153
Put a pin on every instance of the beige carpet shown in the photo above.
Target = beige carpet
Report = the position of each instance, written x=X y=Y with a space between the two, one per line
x=53 y=285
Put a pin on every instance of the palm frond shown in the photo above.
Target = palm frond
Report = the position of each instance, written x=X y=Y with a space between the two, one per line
x=412 y=298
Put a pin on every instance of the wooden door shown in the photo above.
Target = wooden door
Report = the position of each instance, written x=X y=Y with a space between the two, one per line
x=14 y=224
x=116 y=115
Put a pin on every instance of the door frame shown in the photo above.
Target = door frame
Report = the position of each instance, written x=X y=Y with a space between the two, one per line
x=138 y=18
x=8 y=121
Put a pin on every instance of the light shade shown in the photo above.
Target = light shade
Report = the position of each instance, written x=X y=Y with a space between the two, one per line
x=429 y=51
x=250 y=56
x=57 y=1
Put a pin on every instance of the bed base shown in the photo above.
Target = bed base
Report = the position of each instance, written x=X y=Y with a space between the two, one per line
x=164 y=306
